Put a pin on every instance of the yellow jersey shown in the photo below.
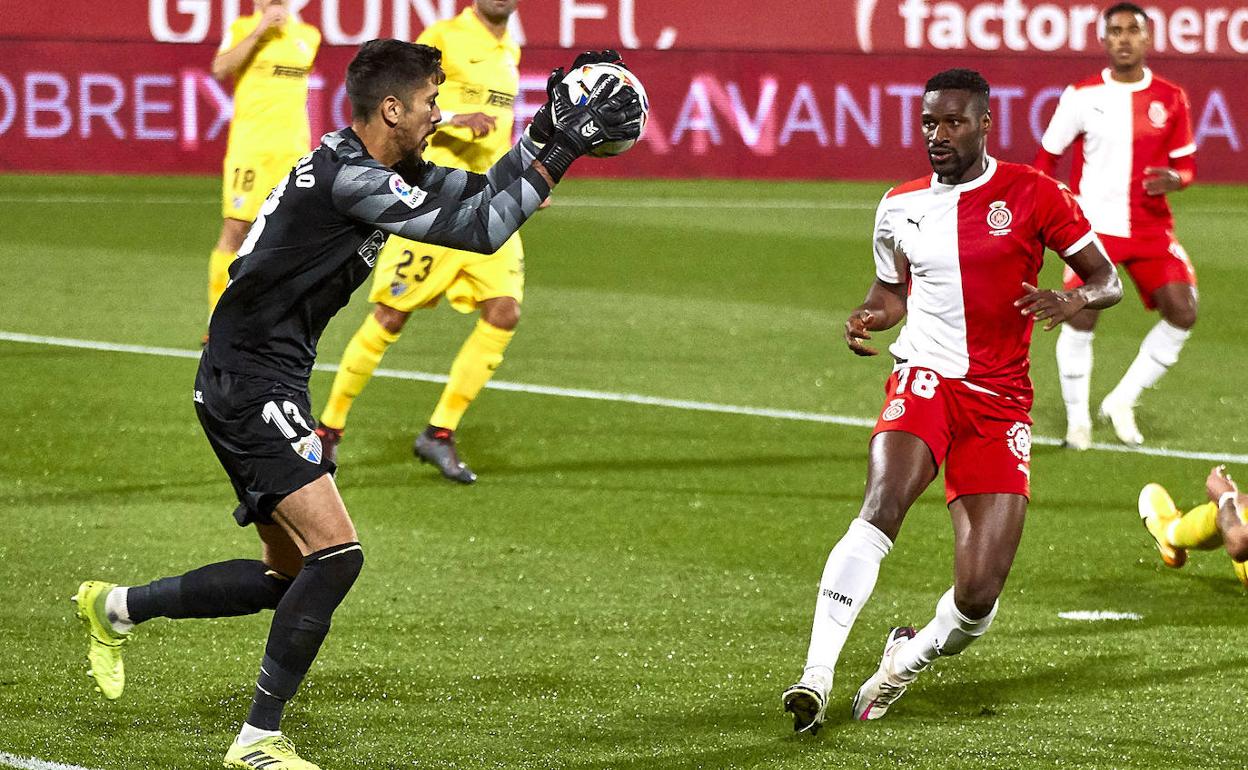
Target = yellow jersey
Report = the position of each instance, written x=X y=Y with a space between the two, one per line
x=482 y=75
x=271 y=90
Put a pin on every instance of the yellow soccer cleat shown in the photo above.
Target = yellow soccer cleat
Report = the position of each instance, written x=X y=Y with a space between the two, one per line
x=1241 y=571
x=276 y=753
x=1157 y=512
x=104 y=646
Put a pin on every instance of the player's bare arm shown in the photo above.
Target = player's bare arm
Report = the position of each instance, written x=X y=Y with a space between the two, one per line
x=1101 y=289
x=1225 y=493
x=883 y=308
x=227 y=63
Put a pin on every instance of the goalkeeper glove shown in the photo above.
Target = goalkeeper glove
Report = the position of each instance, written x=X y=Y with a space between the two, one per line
x=581 y=128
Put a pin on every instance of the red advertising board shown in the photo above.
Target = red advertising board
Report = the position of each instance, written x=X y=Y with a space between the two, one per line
x=148 y=107
x=1201 y=28
x=737 y=87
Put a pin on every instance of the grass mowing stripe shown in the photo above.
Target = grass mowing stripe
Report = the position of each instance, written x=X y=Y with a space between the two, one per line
x=29 y=763
x=602 y=395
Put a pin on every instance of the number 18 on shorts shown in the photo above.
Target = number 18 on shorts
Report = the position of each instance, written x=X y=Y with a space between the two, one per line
x=983 y=438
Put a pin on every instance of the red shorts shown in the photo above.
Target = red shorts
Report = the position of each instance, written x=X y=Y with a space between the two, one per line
x=1152 y=260
x=982 y=438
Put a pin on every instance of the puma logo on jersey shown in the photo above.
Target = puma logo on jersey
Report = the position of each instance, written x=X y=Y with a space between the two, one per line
x=918 y=223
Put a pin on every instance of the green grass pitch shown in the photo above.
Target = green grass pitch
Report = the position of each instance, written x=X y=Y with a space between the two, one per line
x=627 y=586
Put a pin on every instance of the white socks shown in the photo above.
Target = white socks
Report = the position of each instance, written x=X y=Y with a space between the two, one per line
x=848 y=579
x=117 y=611
x=249 y=735
x=1158 y=352
x=949 y=633
x=1074 y=365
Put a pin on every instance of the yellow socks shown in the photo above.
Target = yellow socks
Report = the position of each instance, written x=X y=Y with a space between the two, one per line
x=218 y=276
x=1197 y=529
x=474 y=366
x=359 y=360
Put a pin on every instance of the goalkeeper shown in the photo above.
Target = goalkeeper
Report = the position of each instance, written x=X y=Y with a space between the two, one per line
x=1219 y=522
x=314 y=241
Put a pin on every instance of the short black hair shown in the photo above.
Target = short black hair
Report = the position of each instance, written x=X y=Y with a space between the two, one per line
x=384 y=68
x=959 y=79
x=1128 y=7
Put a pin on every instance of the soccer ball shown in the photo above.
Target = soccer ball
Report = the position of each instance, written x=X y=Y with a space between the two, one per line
x=580 y=83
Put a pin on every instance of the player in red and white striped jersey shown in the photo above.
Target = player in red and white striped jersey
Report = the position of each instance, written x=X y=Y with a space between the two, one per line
x=1133 y=142
x=957 y=254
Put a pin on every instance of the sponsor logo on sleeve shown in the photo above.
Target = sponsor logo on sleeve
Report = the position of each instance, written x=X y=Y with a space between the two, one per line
x=999 y=218
x=370 y=248
x=412 y=196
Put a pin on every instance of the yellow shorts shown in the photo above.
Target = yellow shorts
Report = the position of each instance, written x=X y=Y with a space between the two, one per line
x=412 y=275
x=247 y=181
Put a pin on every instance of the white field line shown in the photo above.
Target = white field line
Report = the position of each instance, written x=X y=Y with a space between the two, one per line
x=572 y=201
x=1095 y=615
x=29 y=763
x=601 y=395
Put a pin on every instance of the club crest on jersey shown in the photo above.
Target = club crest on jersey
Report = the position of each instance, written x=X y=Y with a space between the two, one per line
x=999 y=218
x=412 y=196
x=309 y=448
x=896 y=408
x=1018 y=439
x=1157 y=114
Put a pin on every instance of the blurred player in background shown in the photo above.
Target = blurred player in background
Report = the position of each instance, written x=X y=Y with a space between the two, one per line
x=1219 y=522
x=315 y=240
x=269 y=54
x=481 y=60
x=957 y=255
x=1133 y=137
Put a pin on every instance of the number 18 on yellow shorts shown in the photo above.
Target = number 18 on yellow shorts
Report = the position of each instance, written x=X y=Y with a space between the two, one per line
x=248 y=179
x=411 y=275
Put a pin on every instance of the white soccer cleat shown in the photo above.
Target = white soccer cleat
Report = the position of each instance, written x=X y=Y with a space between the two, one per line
x=807 y=701
x=1078 y=438
x=883 y=688
x=1122 y=416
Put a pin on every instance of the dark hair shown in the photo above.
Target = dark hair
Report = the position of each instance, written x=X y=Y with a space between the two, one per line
x=1128 y=7
x=384 y=68
x=961 y=80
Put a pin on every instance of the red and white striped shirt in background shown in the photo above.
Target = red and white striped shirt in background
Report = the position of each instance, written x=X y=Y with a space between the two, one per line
x=1118 y=130
x=966 y=250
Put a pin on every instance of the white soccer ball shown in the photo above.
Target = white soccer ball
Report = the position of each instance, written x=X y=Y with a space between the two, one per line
x=580 y=83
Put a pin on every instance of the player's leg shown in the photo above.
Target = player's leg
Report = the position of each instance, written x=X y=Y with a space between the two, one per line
x=1074 y=363
x=225 y=589
x=901 y=466
x=987 y=529
x=364 y=352
x=494 y=285
x=316 y=522
x=233 y=233
x=1074 y=367
x=1167 y=283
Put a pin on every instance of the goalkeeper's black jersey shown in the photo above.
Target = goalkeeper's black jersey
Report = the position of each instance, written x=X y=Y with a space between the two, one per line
x=318 y=233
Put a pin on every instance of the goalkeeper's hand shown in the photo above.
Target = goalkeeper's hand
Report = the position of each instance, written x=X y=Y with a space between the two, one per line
x=605 y=117
x=543 y=124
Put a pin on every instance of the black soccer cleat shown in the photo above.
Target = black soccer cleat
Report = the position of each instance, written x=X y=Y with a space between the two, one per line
x=437 y=447
x=330 y=437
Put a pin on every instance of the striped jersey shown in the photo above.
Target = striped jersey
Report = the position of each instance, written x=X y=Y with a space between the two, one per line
x=965 y=251
x=1118 y=130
